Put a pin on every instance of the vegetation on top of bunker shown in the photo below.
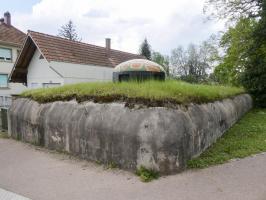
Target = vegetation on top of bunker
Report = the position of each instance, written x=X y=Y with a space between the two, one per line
x=150 y=93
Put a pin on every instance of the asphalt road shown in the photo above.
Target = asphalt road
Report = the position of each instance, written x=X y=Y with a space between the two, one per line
x=41 y=175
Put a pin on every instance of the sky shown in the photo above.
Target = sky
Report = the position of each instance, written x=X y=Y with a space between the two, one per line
x=166 y=24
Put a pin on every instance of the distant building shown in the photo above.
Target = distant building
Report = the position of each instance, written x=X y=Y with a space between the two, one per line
x=11 y=40
x=48 y=61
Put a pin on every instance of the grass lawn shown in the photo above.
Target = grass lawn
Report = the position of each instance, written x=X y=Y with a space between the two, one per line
x=245 y=138
x=150 y=91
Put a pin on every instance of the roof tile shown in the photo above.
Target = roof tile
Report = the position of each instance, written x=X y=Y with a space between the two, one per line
x=63 y=50
x=10 y=34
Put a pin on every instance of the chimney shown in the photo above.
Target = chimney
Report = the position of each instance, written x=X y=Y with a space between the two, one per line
x=108 y=45
x=7 y=18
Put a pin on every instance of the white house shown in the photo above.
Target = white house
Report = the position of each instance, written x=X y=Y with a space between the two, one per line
x=48 y=61
x=11 y=39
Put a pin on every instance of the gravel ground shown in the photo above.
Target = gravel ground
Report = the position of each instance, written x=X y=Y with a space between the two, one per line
x=42 y=175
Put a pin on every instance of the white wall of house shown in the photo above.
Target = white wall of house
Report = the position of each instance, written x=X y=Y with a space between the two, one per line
x=76 y=73
x=40 y=74
x=5 y=69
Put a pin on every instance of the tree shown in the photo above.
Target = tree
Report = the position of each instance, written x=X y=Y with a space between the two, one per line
x=192 y=64
x=68 y=31
x=235 y=43
x=145 y=49
x=254 y=77
x=233 y=9
x=161 y=60
x=254 y=70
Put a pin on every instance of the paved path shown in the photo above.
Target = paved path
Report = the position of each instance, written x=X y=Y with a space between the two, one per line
x=6 y=195
x=41 y=175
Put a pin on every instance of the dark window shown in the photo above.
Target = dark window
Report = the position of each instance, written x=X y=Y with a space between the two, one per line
x=124 y=77
x=50 y=85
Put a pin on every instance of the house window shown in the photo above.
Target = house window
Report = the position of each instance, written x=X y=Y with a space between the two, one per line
x=5 y=54
x=3 y=80
x=34 y=85
x=50 y=85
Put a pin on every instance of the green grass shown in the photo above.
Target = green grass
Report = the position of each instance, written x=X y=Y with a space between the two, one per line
x=150 y=91
x=245 y=138
x=3 y=135
x=147 y=175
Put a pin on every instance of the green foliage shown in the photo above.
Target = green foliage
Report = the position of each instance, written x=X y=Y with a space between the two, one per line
x=254 y=78
x=145 y=49
x=161 y=60
x=245 y=138
x=147 y=175
x=235 y=42
x=169 y=91
x=68 y=31
x=111 y=165
x=245 y=61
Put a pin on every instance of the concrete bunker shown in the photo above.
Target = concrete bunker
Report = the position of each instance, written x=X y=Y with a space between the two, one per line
x=138 y=70
x=158 y=138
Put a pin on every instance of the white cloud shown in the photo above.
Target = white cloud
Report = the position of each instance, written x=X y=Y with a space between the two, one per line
x=166 y=24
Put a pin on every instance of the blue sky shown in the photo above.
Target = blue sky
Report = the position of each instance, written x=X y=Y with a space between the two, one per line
x=17 y=5
x=166 y=24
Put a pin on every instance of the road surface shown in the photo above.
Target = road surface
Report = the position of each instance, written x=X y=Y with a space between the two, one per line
x=42 y=175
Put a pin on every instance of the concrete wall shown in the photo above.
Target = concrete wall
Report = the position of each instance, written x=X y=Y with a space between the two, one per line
x=159 y=138
x=40 y=73
x=5 y=68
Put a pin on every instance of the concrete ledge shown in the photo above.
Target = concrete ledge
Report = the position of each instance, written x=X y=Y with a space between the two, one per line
x=159 y=138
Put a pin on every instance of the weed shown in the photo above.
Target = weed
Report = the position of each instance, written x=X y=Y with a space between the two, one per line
x=147 y=175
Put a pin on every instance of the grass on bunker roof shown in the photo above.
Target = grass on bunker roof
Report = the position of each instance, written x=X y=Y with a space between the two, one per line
x=158 y=92
x=245 y=138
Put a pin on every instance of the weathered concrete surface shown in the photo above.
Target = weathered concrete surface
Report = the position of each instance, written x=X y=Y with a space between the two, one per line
x=159 y=138
x=40 y=175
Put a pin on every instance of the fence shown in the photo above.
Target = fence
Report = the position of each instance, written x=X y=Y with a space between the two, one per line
x=5 y=103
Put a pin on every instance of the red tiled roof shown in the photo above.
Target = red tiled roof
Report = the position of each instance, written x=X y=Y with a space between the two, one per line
x=63 y=50
x=11 y=35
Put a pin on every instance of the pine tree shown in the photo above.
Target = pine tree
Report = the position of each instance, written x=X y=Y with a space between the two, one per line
x=68 y=31
x=145 y=49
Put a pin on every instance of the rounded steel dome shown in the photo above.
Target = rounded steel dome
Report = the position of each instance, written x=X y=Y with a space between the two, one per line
x=138 y=69
x=139 y=65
